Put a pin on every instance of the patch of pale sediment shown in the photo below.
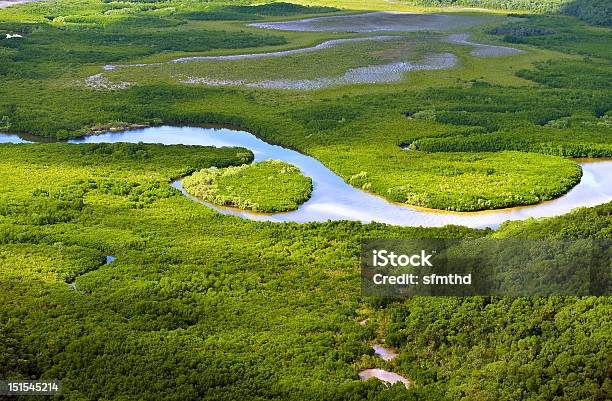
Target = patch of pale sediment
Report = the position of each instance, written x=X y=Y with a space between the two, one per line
x=385 y=353
x=364 y=321
x=101 y=82
x=482 y=50
x=8 y=3
x=212 y=82
x=371 y=22
x=383 y=73
x=324 y=45
x=383 y=375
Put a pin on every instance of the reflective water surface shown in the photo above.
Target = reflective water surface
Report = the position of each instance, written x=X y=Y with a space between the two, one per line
x=384 y=375
x=10 y=138
x=375 y=22
x=385 y=353
x=480 y=49
x=280 y=53
x=391 y=72
x=334 y=199
x=107 y=259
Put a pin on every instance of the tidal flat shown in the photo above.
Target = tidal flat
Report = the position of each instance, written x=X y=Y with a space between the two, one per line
x=376 y=22
x=345 y=61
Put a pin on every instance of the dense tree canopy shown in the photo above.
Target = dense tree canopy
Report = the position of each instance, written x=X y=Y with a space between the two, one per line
x=270 y=186
x=204 y=306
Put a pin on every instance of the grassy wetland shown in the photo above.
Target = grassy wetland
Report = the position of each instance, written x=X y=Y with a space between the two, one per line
x=200 y=305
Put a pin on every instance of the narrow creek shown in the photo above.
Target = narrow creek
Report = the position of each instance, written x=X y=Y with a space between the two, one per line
x=107 y=260
x=334 y=199
x=279 y=53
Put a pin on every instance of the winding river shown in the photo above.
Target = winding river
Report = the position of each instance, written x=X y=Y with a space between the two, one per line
x=279 y=53
x=107 y=260
x=378 y=73
x=334 y=199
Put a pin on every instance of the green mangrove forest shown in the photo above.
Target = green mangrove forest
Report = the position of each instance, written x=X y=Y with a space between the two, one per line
x=496 y=110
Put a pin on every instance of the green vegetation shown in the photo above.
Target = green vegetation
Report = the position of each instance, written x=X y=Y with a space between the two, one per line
x=483 y=185
x=200 y=305
x=529 y=5
x=505 y=141
x=571 y=75
x=539 y=339
x=527 y=102
x=212 y=306
x=159 y=164
x=597 y=12
x=504 y=348
x=556 y=131
x=332 y=62
x=507 y=348
x=208 y=306
x=270 y=186
x=52 y=49
x=558 y=33
x=246 y=13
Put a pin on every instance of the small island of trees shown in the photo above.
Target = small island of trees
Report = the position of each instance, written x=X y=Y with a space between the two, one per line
x=269 y=186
